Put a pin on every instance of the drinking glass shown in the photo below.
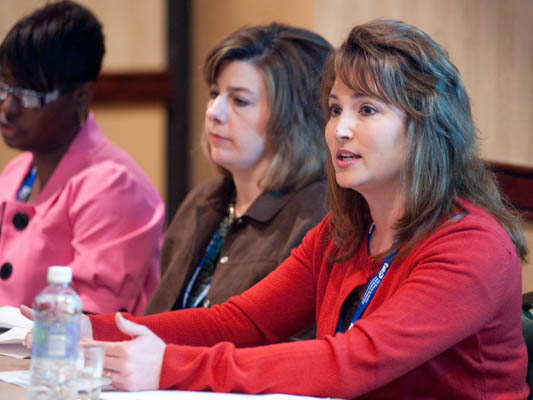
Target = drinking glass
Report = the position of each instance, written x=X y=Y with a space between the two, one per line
x=89 y=368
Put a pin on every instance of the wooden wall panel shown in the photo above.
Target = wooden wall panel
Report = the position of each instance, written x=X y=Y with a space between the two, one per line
x=136 y=33
x=139 y=129
x=490 y=41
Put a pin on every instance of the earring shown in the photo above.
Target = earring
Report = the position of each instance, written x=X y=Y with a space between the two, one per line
x=81 y=116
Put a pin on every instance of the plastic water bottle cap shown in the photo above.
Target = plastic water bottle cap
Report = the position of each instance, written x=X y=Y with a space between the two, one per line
x=59 y=274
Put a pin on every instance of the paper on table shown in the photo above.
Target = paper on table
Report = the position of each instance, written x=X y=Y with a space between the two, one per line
x=11 y=317
x=180 y=394
x=21 y=378
x=11 y=343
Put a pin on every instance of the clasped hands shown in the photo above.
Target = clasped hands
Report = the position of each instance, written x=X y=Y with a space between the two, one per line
x=132 y=364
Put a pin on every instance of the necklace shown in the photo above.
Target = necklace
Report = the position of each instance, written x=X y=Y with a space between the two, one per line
x=200 y=283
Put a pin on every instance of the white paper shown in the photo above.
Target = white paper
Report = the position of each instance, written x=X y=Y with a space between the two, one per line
x=12 y=343
x=14 y=350
x=21 y=378
x=11 y=317
x=14 y=336
x=180 y=394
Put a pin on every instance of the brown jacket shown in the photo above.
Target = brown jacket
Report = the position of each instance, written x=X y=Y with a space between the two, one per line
x=256 y=244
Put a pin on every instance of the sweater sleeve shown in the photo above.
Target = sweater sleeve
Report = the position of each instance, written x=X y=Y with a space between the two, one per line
x=116 y=254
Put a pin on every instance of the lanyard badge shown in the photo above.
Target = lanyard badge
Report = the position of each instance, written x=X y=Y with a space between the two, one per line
x=371 y=288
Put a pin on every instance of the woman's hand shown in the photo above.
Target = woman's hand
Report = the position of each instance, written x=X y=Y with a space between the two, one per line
x=135 y=364
x=86 y=330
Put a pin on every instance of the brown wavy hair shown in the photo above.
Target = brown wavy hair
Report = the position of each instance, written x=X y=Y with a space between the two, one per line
x=290 y=60
x=400 y=64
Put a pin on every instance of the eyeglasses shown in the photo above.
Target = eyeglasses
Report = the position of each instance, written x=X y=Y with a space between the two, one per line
x=30 y=98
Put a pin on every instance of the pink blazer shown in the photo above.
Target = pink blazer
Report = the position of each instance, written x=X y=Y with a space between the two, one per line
x=98 y=214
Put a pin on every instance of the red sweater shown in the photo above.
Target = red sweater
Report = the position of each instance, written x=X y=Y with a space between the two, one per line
x=445 y=323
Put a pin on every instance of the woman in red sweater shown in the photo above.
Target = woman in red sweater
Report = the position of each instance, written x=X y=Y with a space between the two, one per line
x=413 y=278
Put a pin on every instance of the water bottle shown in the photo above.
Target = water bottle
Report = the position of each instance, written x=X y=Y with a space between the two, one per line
x=56 y=334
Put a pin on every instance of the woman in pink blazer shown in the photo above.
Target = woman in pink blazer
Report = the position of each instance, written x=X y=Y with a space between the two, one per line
x=71 y=198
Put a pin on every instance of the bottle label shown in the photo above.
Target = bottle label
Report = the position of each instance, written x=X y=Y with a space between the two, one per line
x=55 y=340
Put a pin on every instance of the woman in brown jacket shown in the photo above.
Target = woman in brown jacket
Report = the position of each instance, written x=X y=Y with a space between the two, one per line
x=263 y=132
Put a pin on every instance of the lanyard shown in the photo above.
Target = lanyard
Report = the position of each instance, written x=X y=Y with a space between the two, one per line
x=211 y=254
x=372 y=286
x=203 y=293
x=26 y=187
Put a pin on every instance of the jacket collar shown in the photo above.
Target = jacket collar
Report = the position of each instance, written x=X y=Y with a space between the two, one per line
x=264 y=208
